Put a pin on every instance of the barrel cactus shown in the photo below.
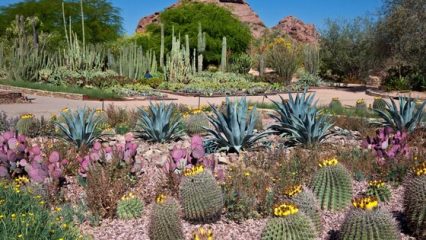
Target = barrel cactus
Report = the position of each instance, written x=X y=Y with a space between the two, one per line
x=335 y=105
x=289 y=223
x=129 y=207
x=165 y=223
x=361 y=106
x=201 y=196
x=332 y=185
x=379 y=104
x=378 y=189
x=24 y=123
x=196 y=123
x=305 y=199
x=367 y=221
x=415 y=201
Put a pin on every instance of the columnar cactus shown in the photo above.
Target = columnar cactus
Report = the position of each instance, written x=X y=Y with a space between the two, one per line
x=201 y=196
x=415 y=201
x=305 y=199
x=332 y=185
x=289 y=223
x=129 y=207
x=377 y=188
x=367 y=221
x=165 y=223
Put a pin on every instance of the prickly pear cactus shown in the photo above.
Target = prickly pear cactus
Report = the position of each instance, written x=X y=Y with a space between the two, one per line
x=377 y=188
x=415 y=201
x=379 y=104
x=332 y=185
x=165 y=223
x=24 y=123
x=201 y=196
x=305 y=199
x=367 y=221
x=129 y=207
x=196 y=123
x=289 y=223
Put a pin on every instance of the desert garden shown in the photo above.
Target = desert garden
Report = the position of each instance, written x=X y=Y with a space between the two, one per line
x=192 y=130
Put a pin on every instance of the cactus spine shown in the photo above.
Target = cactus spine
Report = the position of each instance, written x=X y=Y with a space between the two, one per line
x=201 y=196
x=129 y=207
x=415 y=201
x=223 y=62
x=289 y=223
x=165 y=223
x=332 y=185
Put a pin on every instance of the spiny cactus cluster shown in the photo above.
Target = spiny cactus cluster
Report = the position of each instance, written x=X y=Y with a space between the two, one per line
x=367 y=221
x=24 y=123
x=415 y=200
x=165 y=223
x=332 y=185
x=196 y=123
x=289 y=223
x=201 y=196
x=305 y=199
x=377 y=188
x=379 y=104
x=129 y=207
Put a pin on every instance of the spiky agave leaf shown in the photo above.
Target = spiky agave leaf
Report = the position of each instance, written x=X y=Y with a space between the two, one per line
x=79 y=127
x=404 y=117
x=233 y=131
x=158 y=125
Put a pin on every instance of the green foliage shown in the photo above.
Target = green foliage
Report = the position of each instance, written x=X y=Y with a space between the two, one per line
x=195 y=124
x=153 y=82
x=240 y=63
x=201 y=197
x=333 y=187
x=233 y=131
x=415 y=204
x=220 y=21
x=311 y=58
x=24 y=216
x=102 y=19
x=158 y=125
x=165 y=223
x=79 y=127
x=379 y=104
x=373 y=224
x=299 y=119
x=297 y=226
x=283 y=55
x=382 y=193
x=405 y=117
x=129 y=207
x=307 y=80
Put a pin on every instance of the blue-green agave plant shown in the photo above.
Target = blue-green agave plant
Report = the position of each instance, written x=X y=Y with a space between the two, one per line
x=233 y=130
x=405 y=117
x=80 y=127
x=158 y=123
x=299 y=119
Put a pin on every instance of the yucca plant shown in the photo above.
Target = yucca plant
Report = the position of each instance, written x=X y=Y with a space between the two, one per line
x=405 y=117
x=79 y=127
x=158 y=123
x=233 y=130
x=299 y=119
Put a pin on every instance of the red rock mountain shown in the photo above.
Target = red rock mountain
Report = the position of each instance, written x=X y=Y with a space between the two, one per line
x=298 y=30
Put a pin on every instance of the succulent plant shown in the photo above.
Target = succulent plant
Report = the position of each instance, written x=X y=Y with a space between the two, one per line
x=79 y=127
x=298 y=119
x=289 y=223
x=335 y=105
x=379 y=190
x=202 y=234
x=158 y=125
x=129 y=207
x=379 y=104
x=24 y=123
x=387 y=144
x=195 y=124
x=233 y=131
x=367 y=221
x=361 y=106
x=306 y=201
x=165 y=223
x=201 y=196
x=332 y=185
x=405 y=117
x=415 y=201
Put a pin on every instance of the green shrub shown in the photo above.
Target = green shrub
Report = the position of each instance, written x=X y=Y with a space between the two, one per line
x=24 y=216
x=240 y=63
x=201 y=196
x=332 y=184
x=307 y=80
x=164 y=222
x=129 y=207
x=152 y=82
x=283 y=55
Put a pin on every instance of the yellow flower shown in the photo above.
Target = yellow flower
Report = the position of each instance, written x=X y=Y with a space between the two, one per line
x=193 y=171
x=64 y=225
x=247 y=174
x=376 y=183
x=420 y=170
x=99 y=110
x=293 y=190
x=329 y=162
x=65 y=109
x=1 y=216
x=58 y=209
x=360 y=101
x=27 y=116
x=37 y=197
x=13 y=216
x=160 y=199
x=41 y=202
x=20 y=236
x=366 y=203
x=285 y=209
x=203 y=234
x=377 y=98
x=335 y=99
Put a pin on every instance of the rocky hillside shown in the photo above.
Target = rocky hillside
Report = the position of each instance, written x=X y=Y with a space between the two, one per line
x=298 y=30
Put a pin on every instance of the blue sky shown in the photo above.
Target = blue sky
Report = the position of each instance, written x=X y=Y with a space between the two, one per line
x=270 y=11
